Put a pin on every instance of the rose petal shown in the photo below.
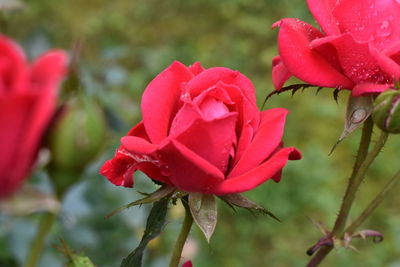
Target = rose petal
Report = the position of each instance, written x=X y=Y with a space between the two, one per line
x=355 y=59
x=187 y=264
x=196 y=68
x=369 y=88
x=322 y=12
x=259 y=175
x=265 y=141
x=306 y=64
x=15 y=160
x=138 y=145
x=193 y=173
x=47 y=73
x=374 y=22
x=13 y=68
x=280 y=73
x=161 y=98
x=211 y=140
x=211 y=76
x=386 y=63
x=121 y=168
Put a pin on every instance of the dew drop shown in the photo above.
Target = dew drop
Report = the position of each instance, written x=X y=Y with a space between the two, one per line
x=358 y=115
x=385 y=29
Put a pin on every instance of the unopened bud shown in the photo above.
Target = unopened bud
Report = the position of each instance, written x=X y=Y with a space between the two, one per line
x=75 y=139
x=386 y=113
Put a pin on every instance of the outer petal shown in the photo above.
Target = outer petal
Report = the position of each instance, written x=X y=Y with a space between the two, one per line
x=369 y=88
x=257 y=176
x=161 y=100
x=46 y=75
x=121 y=168
x=322 y=12
x=306 y=64
x=13 y=69
x=280 y=73
x=193 y=173
x=265 y=141
x=356 y=59
x=15 y=160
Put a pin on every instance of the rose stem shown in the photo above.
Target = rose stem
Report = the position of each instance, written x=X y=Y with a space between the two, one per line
x=374 y=203
x=180 y=242
x=361 y=165
x=47 y=220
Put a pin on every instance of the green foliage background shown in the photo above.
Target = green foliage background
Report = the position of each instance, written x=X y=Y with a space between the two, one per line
x=125 y=44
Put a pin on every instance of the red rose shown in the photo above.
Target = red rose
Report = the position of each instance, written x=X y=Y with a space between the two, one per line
x=27 y=101
x=358 y=50
x=202 y=132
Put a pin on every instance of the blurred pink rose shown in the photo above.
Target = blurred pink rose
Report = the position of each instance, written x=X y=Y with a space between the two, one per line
x=28 y=96
x=359 y=48
x=202 y=132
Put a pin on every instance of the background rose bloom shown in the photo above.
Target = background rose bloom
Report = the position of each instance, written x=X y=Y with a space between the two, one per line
x=27 y=101
x=359 y=49
x=202 y=132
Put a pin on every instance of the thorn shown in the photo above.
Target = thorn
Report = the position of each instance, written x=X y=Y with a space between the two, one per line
x=336 y=95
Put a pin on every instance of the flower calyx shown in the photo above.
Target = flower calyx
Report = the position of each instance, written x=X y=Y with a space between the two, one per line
x=239 y=200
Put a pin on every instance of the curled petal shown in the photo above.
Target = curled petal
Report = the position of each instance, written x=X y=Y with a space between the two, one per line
x=307 y=64
x=193 y=173
x=265 y=141
x=259 y=175
x=369 y=88
x=280 y=73
x=138 y=145
x=356 y=59
x=211 y=140
x=211 y=76
x=161 y=99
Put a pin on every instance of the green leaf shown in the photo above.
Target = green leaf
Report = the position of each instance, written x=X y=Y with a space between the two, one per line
x=243 y=202
x=358 y=110
x=204 y=211
x=162 y=192
x=154 y=225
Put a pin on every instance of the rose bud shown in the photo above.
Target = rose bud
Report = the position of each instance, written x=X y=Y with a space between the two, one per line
x=356 y=49
x=387 y=111
x=202 y=133
x=28 y=95
x=76 y=137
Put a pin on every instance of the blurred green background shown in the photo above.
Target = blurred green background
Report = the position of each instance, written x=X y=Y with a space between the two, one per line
x=125 y=44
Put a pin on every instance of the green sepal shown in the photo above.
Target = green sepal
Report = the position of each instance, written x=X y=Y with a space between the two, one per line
x=162 y=192
x=203 y=208
x=243 y=202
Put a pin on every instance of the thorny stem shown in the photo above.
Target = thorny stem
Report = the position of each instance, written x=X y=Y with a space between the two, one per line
x=374 y=203
x=361 y=165
x=180 y=242
x=46 y=222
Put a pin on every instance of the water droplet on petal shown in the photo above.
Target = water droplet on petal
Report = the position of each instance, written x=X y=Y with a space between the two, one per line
x=385 y=29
